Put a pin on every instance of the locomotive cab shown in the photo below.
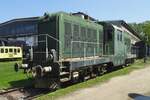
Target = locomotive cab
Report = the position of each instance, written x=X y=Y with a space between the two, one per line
x=108 y=39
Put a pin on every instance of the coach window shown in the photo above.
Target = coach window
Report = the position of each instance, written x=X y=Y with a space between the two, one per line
x=15 y=51
x=2 y=50
x=10 y=50
x=6 y=50
x=18 y=50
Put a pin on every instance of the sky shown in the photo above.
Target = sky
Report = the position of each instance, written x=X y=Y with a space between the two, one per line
x=128 y=10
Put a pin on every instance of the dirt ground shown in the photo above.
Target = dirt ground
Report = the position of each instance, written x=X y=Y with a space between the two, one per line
x=134 y=85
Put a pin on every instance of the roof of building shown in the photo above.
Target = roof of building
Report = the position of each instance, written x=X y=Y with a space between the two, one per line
x=20 y=20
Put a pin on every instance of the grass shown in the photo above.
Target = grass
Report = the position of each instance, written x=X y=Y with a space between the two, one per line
x=9 y=78
x=99 y=80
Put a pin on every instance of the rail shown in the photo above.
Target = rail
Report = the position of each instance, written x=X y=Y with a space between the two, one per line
x=23 y=93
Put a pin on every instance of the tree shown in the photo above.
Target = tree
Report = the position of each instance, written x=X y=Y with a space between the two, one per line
x=146 y=29
x=143 y=30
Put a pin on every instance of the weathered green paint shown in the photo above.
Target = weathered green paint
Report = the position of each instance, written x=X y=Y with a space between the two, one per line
x=122 y=48
x=74 y=51
x=119 y=48
x=55 y=25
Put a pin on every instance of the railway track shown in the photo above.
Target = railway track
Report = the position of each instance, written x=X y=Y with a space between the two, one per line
x=9 y=90
x=22 y=93
x=30 y=93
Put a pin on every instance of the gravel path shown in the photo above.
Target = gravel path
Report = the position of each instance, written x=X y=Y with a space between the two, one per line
x=117 y=88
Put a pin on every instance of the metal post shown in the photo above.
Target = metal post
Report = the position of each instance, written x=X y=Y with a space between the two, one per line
x=145 y=58
x=31 y=53
x=46 y=48
x=102 y=48
x=71 y=52
x=84 y=54
x=94 y=51
x=94 y=55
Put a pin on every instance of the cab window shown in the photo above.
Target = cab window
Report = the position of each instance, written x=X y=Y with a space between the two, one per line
x=119 y=35
x=108 y=34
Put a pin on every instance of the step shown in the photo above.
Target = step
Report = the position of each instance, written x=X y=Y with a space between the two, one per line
x=63 y=67
x=64 y=79
x=64 y=73
x=87 y=77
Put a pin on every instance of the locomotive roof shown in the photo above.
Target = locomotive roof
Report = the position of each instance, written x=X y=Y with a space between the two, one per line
x=84 y=14
x=120 y=23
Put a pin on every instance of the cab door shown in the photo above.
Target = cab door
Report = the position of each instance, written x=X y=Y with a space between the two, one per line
x=119 y=47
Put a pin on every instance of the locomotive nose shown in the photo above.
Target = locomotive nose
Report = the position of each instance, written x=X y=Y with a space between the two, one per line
x=39 y=71
x=47 y=69
x=18 y=66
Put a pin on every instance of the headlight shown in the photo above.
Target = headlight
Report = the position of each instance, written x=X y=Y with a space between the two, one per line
x=24 y=65
x=47 y=69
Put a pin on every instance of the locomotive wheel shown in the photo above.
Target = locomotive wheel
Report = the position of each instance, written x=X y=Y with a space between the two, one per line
x=37 y=71
x=82 y=76
x=98 y=71
x=74 y=79
x=123 y=66
x=103 y=70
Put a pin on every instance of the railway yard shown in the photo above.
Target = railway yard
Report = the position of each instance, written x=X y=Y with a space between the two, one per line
x=74 y=50
x=63 y=55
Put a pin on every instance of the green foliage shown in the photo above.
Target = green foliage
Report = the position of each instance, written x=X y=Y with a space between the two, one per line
x=143 y=29
x=137 y=27
x=146 y=29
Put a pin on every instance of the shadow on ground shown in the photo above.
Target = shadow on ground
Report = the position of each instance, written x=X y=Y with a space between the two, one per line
x=136 y=96
x=28 y=92
x=21 y=83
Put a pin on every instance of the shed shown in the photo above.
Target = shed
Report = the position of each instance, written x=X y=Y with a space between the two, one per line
x=21 y=26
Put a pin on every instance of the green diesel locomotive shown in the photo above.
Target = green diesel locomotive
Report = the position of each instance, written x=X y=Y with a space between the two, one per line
x=75 y=47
